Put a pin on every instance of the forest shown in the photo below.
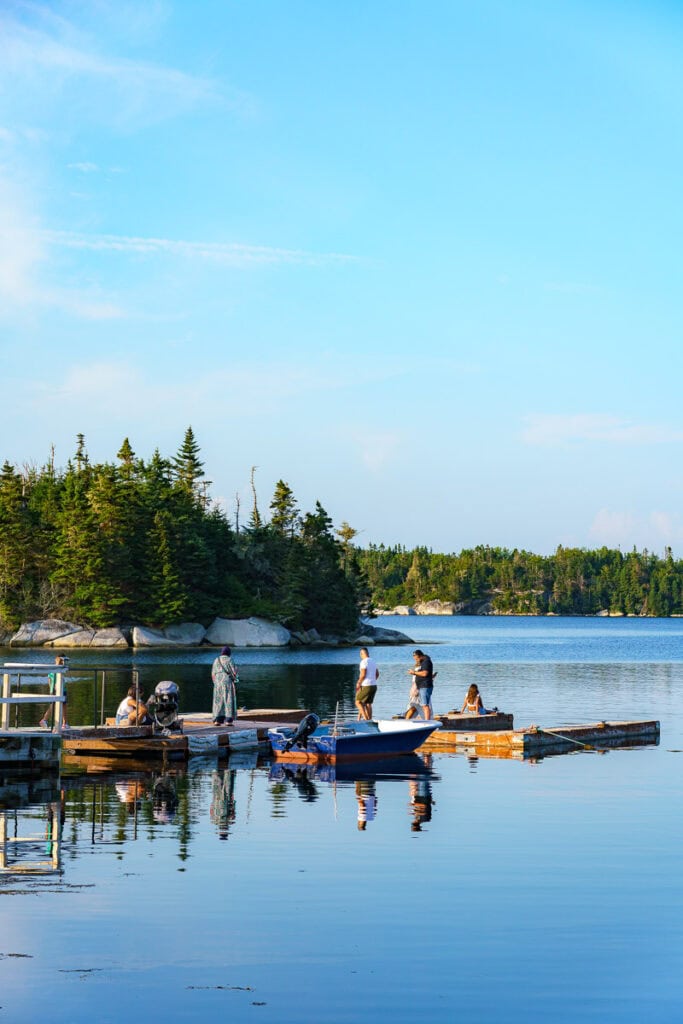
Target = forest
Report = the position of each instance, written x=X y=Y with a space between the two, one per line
x=572 y=581
x=140 y=542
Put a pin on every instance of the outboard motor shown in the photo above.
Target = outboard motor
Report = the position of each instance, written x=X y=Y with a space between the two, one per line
x=304 y=729
x=164 y=705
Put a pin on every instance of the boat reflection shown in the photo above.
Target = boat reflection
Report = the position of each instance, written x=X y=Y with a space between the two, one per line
x=310 y=780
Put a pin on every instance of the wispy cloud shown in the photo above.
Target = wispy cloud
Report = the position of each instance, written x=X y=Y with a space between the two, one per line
x=232 y=253
x=625 y=529
x=24 y=284
x=84 y=167
x=558 y=428
x=41 y=54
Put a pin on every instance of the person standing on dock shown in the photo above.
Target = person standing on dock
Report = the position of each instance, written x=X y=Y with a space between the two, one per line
x=423 y=677
x=52 y=679
x=225 y=679
x=366 y=687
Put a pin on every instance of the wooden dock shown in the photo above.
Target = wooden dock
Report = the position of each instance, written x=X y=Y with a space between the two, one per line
x=199 y=737
x=495 y=721
x=33 y=748
x=535 y=740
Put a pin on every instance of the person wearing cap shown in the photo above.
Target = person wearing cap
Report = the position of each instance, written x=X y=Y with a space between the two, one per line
x=423 y=678
x=225 y=678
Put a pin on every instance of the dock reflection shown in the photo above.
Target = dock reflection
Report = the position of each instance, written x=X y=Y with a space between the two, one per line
x=31 y=820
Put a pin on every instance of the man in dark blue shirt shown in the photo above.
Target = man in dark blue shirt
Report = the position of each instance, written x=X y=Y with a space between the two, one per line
x=423 y=678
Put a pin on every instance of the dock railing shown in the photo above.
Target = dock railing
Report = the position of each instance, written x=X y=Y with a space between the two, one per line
x=12 y=672
x=97 y=676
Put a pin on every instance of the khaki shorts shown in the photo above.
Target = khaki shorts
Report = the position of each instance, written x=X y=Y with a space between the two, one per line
x=366 y=694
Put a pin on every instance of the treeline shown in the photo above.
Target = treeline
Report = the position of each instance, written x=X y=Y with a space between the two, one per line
x=135 y=541
x=572 y=581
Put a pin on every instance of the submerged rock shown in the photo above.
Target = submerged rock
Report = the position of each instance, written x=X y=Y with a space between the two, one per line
x=368 y=635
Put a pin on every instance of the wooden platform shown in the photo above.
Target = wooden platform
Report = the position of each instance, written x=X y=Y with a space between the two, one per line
x=535 y=740
x=199 y=737
x=496 y=721
x=30 y=748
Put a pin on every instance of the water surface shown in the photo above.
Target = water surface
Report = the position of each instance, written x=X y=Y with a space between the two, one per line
x=480 y=889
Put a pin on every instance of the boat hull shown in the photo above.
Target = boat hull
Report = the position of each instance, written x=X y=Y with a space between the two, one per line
x=361 y=742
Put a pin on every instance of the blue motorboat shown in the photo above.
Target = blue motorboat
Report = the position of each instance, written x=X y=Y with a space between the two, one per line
x=329 y=743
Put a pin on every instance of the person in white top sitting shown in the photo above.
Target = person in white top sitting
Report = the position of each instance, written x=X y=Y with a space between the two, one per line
x=131 y=711
x=366 y=687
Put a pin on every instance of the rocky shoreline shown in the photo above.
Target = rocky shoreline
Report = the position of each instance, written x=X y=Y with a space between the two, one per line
x=251 y=632
x=485 y=607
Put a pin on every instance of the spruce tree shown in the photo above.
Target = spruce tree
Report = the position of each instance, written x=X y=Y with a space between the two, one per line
x=187 y=466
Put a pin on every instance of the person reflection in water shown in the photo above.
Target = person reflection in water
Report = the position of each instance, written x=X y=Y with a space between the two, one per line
x=223 y=809
x=367 y=803
x=421 y=802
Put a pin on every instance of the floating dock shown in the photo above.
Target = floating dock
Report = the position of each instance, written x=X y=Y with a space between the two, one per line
x=494 y=721
x=199 y=736
x=535 y=740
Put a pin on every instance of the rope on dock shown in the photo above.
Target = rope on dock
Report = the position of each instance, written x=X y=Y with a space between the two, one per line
x=567 y=739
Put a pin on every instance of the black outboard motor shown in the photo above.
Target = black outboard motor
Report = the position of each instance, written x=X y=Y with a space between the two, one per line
x=164 y=705
x=304 y=729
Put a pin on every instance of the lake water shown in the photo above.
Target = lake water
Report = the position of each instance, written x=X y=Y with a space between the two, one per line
x=481 y=889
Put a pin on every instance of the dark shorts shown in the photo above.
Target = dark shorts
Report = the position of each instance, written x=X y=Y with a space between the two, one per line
x=366 y=694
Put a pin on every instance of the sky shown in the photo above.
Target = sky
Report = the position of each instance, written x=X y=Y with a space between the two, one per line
x=421 y=260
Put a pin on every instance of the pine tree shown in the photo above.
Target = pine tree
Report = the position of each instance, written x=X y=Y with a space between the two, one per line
x=284 y=517
x=187 y=466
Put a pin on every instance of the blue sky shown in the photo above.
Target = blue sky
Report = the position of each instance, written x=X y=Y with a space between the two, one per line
x=421 y=260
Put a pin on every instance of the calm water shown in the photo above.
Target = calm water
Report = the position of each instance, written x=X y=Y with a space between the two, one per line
x=482 y=889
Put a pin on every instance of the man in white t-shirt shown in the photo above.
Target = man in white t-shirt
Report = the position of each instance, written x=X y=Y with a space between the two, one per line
x=366 y=687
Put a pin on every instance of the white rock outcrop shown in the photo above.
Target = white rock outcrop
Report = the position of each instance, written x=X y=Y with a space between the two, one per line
x=436 y=608
x=45 y=631
x=403 y=609
x=252 y=632
x=185 y=634
x=112 y=637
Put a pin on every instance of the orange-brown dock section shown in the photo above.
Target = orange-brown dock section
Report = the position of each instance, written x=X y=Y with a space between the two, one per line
x=199 y=736
x=535 y=740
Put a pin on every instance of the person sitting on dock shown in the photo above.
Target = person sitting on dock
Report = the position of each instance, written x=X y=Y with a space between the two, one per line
x=132 y=711
x=473 y=704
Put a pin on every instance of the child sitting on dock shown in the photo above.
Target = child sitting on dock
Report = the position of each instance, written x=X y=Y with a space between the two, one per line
x=132 y=711
x=473 y=704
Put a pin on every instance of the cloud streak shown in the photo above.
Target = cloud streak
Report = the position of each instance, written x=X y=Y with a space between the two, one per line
x=557 y=429
x=42 y=55
x=230 y=253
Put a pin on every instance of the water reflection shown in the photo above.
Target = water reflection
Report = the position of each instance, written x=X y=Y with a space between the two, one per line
x=31 y=819
x=223 y=809
x=364 y=779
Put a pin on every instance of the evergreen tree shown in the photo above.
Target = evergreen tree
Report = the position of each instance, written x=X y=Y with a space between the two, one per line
x=187 y=466
x=284 y=514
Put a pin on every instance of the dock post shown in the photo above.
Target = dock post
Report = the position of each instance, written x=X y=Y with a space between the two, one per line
x=59 y=706
x=4 y=713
